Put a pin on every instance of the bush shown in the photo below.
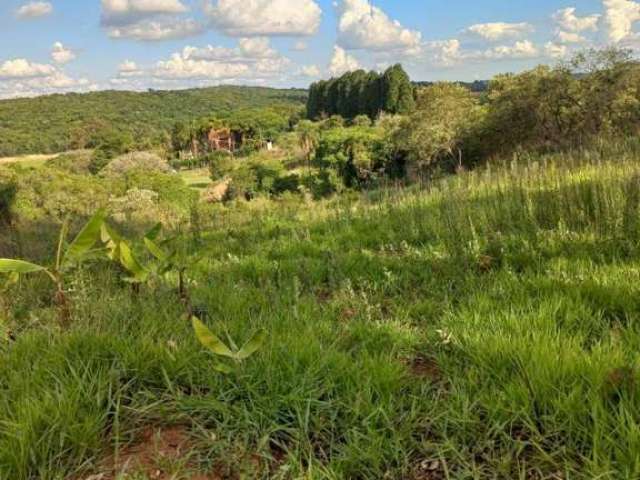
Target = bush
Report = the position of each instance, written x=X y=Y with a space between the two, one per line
x=109 y=146
x=75 y=162
x=286 y=183
x=323 y=183
x=356 y=154
x=149 y=162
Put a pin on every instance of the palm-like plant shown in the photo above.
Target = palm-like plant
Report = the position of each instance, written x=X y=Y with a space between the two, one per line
x=67 y=258
x=220 y=349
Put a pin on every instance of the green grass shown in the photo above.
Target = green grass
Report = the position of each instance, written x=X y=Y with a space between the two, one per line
x=519 y=287
x=198 y=179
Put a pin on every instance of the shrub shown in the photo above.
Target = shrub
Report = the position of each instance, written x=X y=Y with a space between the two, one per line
x=286 y=183
x=145 y=161
x=110 y=145
x=75 y=162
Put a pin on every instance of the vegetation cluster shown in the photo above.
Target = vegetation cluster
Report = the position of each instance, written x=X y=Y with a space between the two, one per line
x=447 y=289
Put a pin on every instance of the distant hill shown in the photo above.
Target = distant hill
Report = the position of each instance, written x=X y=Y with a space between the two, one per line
x=56 y=123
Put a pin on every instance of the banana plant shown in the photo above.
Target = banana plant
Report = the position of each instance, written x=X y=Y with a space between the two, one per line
x=78 y=251
x=220 y=349
x=162 y=261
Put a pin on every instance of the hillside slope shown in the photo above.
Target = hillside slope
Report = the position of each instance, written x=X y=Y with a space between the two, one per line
x=487 y=328
x=57 y=123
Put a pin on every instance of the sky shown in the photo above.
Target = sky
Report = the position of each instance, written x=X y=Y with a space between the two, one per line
x=57 y=46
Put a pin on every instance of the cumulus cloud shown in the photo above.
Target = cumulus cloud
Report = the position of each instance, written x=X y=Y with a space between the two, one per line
x=147 y=20
x=310 y=71
x=620 y=17
x=555 y=50
x=61 y=54
x=22 y=68
x=570 y=37
x=245 y=18
x=519 y=50
x=443 y=53
x=128 y=69
x=449 y=53
x=362 y=26
x=34 y=10
x=567 y=20
x=156 y=30
x=342 y=62
x=500 y=30
x=252 y=59
x=20 y=77
x=126 y=12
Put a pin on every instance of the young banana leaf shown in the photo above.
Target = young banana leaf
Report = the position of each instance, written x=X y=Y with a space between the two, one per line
x=86 y=239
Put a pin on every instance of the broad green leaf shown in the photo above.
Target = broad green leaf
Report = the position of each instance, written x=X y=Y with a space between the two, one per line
x=19 y=266
x=252 y=346
x=154 y=232
x=128 y=261
x=222 y=368
x=209 y=340
x=108 y=234
x=112 y=240
x=155 y=250
x=87 y=238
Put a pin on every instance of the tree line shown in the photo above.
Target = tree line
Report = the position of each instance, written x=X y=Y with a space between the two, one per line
x=362 y=93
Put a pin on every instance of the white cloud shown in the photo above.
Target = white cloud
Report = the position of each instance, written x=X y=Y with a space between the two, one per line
x=362 y=26
x=568 y=21
x=500 y=30
x=245 y=18
x=128 y=69
x=124 y=12
x=519 y=50
x=128 y=66
x=342 y=62
x=22 y=68
x=157 y=30
x=310 y=71
x=61 y=54
x=570 y=37
x=34 y=10
x=620 y=17
x=248 y=50
x=252 y=59
x=20 y=77
x=147 y=20
x=443 y=53
x=555 y=50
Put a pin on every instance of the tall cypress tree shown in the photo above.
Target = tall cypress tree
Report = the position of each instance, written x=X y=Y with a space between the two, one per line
x=397 y=90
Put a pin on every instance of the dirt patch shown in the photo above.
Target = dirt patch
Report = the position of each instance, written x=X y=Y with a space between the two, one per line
x=429 y=470
x=422 y=366
x=158 y=454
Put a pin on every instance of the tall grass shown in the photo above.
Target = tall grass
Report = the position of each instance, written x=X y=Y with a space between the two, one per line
x=517 y=284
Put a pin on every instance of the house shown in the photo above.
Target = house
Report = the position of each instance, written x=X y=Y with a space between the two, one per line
x=223 y=139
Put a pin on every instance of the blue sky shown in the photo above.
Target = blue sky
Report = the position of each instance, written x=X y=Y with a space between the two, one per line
x=77 y=45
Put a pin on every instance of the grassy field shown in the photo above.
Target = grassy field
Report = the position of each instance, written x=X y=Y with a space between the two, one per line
x=198 y=179
x=484 y=329
x=27 y=160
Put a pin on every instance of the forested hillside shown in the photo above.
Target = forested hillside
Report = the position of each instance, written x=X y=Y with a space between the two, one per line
x=61 y=122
